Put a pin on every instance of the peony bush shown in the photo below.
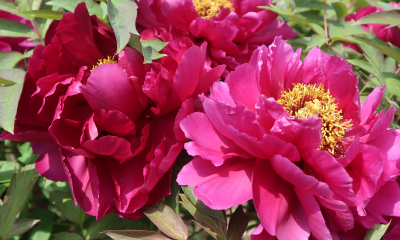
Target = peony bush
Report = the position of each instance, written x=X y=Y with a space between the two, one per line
x=223 y=119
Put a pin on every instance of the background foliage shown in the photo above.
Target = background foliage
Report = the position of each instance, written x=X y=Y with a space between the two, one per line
x=32 y=207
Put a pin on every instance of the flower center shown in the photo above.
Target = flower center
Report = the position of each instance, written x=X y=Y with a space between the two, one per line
x=210 y=8
x=304 y=101
x=104 y=61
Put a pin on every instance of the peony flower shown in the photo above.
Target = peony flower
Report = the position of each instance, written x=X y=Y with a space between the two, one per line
x=108 y=124
x=294 y=137
x=391 y=35
x=19 y=44
x=233 y=29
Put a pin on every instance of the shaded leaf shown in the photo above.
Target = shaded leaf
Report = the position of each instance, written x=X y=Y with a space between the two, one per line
x=27 y=155
x=340 y=9
x=47 y=14
x=391 y=17
x=65 y=204
x=213 y=226
x=10 y=28
x=66 y=236
x=377 y=232
x=316 y=40
x=7 y=170
x=70 y=5
x=237 y=224
x=108 y=222
x=43 y=229
x=219 y=215
x=20 y=227
x=172 y=200
x=135 y=234
x=122 y=13
x=167 y=221
x=8 y=60
x=10 y=97
x=21 y=185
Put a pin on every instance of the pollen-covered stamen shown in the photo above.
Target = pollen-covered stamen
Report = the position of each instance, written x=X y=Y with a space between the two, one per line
x=104 y=61
x=304 y=101
x=210 y=8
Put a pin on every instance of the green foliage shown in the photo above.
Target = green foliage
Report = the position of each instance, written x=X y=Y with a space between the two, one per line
x=377 y=232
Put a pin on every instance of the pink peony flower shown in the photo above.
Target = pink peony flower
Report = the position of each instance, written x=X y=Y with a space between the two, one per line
x=107 y=124
x=233 y=29
x=294 y=137
x=391 y=35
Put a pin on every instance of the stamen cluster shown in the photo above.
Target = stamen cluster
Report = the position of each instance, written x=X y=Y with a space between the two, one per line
x=306 y=100
x=210 y=8
x=104 y=61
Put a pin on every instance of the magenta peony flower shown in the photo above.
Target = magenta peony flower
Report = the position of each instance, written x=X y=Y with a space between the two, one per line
x=107 y=123
x=294 y=137
x=391 y=35
x=233 y=29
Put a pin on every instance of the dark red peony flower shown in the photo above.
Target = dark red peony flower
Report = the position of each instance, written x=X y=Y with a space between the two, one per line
x=107 y=123
x=233 y=29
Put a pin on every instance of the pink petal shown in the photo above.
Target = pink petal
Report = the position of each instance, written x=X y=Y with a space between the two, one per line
x=386 y=202
x=277 y=206
x=313 y=213
x=371 y=104
x=382 y=124
x=220 y=93
x=49 y=164
x=212 y=184
x=269 y=111
x=294 y=175
x=260 y=234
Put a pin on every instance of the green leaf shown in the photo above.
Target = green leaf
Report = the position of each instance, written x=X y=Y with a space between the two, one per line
x=167 y=221
x=391 y=17
x=172 y=200
x=135 y=234
x=10 y=97
x=108 y=222
x=380 y=45
x=392 y=83
x=27 y=155
x=20 y=227
x=21 y=185
x=47 y=14
x=148 y=48
x=7 y=170
x=65 y=204
x=43 y=230
x=122 y=14
x=217 y=214
x=66 y=236
x=70 y=6
x=8 y=6
x=340 y=9
x=10 y=28
x=8 y=60
x=377 y=232
x=341 y=29
x=211 y=225
x=238 y=224
x=375 y=55
x=367 y=66
x=3 y=188
x=316 y=40
x=389 y=65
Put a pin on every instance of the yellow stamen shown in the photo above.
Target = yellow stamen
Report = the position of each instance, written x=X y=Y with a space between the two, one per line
x=210 y=8
x=304 y=101
x=104 y=61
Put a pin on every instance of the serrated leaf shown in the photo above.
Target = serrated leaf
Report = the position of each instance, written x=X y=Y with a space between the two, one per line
x=391 y=17
x=108 y=222
x=70 y=5
x=213 y=226
x=340 y=9
x=217 y=214
x=135 y=234
x=377 y=232
x=167 y=221
x=10 y=96
x=10 y=28
x=66 y=236
x=47 y=14
x=122 y=13
x=237 y=224
x=8 y=60
x=316 y=41
x=65 y=204
x=21 y=185
x=20 y=227
x=7 y=170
